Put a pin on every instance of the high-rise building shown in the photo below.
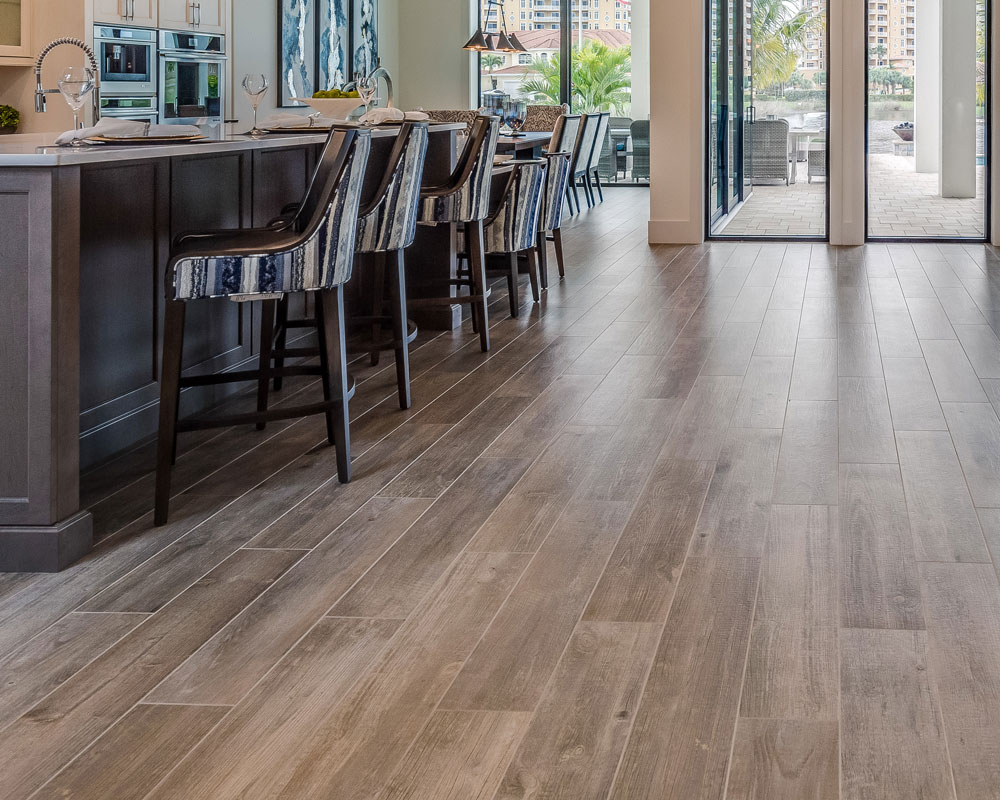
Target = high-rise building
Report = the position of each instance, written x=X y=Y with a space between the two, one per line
x=892 y=34
x=813 y=59
x=532 y=15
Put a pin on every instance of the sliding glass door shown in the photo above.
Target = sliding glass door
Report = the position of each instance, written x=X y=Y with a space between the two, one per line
x=928 y=81
x=767 y=118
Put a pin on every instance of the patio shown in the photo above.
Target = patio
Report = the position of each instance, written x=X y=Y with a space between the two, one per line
x=901 y=203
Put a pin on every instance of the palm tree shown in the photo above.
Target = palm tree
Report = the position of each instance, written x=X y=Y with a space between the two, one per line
x=491 y=61
x=779 y=33
x=602 y=79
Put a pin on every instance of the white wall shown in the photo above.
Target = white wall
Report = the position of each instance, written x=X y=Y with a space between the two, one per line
x=433 y=69
x=640 y=59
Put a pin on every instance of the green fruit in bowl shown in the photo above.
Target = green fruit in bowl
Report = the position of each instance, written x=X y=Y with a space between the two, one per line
x=334 y=94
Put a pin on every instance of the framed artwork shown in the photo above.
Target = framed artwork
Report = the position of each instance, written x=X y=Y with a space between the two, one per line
x=365 y=36
x=323 y=44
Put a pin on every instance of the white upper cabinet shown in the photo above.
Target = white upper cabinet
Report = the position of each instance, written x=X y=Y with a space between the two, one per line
x=141 y=13
x=199 y=15
x=15 y=31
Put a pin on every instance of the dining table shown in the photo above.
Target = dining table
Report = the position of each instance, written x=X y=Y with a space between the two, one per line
x=525 y=145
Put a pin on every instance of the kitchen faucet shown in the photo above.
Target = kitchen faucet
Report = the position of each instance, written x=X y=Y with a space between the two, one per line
x=40 y=92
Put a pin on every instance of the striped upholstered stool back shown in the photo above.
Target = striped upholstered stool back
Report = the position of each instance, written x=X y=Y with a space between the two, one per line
x=471 y=200
x=556 y=181
x=392 y=224
x=321 y=257
x=513 y=227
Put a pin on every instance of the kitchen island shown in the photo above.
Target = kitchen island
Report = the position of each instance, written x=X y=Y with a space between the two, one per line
x=85 y=238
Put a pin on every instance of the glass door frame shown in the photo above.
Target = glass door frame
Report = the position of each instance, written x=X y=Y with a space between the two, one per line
x=987 y=149
x=710 y=217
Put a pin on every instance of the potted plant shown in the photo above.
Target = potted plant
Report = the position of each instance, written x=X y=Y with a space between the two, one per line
x=10 y=118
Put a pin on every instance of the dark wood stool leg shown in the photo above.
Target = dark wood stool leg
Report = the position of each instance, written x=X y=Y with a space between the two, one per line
x=333 y=356
x=170 y=389
x=533 y=274
x=557 y=240
x=400 y=330
x=267 y=309
x=512 y=276
x=542 y=249
x=281 y=340
x=477 y=270
x=378 y=303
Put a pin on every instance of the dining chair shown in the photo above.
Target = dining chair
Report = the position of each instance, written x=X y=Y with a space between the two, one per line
x=564 y=138
x=581 y=159
x=551 y=217
x=387 y=225
x=464 y=199
x=511 y=229
x=602 y=139
x=263 y=264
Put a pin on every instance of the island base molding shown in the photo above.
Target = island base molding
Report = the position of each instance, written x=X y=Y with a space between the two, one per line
x=46 y=548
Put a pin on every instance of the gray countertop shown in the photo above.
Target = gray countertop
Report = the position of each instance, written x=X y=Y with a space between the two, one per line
x=39 y=150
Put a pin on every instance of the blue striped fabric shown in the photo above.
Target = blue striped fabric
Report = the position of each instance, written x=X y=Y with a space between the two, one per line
x=321 y=262
x=515 y=225
x=556 y=182
x=472 y=201
x=393 y=224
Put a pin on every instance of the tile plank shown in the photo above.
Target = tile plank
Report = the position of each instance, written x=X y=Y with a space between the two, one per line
x=975 y=430
x=785 y=760
x=866 y=434
x=808 y=464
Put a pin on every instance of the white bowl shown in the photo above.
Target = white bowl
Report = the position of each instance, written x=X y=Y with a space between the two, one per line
x=332 y=107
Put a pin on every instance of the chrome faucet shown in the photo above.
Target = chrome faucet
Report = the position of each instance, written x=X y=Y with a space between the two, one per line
x=40 y=92
x=378 y=72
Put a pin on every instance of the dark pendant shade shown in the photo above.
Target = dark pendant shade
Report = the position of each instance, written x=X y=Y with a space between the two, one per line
x=520 y=48
x=479 y=42
x=503 y=43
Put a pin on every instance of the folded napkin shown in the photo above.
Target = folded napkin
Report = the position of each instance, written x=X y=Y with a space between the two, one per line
x=377 y=116
x=279 y=121
x=126 y=127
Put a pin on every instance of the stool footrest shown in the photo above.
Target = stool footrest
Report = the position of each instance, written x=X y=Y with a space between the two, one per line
x=254 y=418
x=249 y=375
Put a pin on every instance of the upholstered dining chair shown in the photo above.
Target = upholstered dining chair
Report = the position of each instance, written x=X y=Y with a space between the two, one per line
x=511 y=229
x=540 y=119
x=386 y=227
x=464 y=199
x=564 y=138
x=592 y=175
x=581 y=159
x=263 y=264
x=553 y=210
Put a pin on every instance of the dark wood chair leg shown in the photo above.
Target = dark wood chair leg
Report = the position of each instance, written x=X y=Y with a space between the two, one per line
x=533 y=274
x=477 y=271
x=400 y=330
x=281 y=339
x=557 y=240
x=597 y=183
x=267 y=310
x=588 y=190
x=543 y=259
x=333 y=357
x=576 y=195
x=512 y=276
x=170 y=390
x=378 y=302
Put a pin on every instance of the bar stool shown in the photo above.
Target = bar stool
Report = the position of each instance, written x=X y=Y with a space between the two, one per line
x=263 y=264
x=464 y=199
x=511 y=229
x=386 y=227
x=553 y=210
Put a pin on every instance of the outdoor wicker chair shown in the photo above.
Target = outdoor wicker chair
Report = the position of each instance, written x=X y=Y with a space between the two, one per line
x=640 y=150
x=769 y=150
x=816 y=161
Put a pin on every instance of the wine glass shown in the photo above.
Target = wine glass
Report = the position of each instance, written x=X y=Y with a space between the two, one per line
x=367 y=89
x=75 y=85
x=255 y=87
x=517 y=117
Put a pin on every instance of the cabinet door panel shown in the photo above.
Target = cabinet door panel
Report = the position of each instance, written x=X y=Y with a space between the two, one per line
x=112 y=11
x=175 y=14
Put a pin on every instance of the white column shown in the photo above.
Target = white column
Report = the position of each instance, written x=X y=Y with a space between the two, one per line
x=640 y=59
x=958 y=99
x=846 y=85
x=927 y=87
x=677 y=120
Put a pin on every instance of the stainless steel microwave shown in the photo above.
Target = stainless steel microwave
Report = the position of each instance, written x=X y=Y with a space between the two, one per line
x=126 y=59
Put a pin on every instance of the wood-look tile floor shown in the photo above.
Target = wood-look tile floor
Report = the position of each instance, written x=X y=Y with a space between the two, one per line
x=709 y=522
